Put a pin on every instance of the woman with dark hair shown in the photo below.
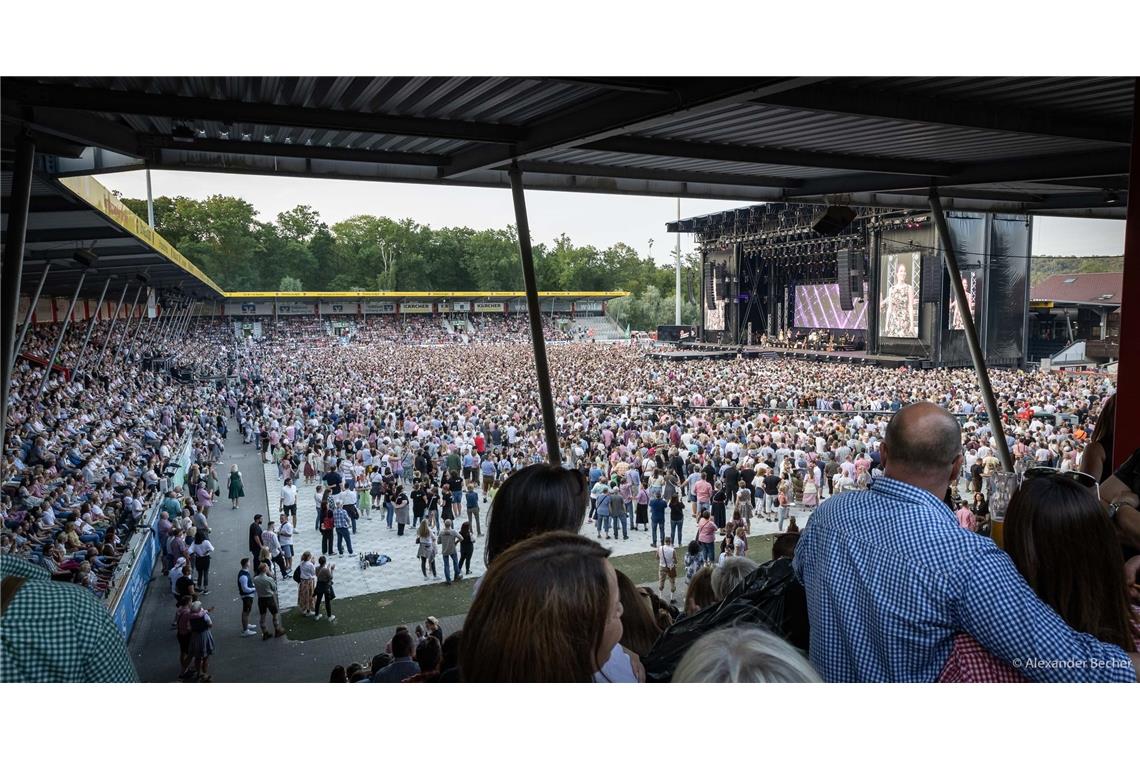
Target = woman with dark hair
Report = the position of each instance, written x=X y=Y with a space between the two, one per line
x=1065 y=546
x=338 y=675
x=449 y=671
x=638 y=621
x=536 y=499
x=564 y=588
x=429 y=655
x=466 y=548
x=327 y=523
x=1097 y=457
x=201 y=550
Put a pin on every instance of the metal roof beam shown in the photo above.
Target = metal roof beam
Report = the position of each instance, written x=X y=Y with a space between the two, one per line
x=1042 y=168
x=667 y=175
x=241 y=147
x=774 y=156
x=77 y=235
x=46 y=204
x=615 y=113
x=581 y=182
x=84 y=129
x=972 y=114
x=96 y=100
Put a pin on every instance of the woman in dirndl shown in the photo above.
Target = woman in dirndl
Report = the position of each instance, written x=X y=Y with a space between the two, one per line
x=310 y=470
x=237 y=488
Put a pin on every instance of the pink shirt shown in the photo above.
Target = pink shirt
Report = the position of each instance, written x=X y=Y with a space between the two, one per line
x=966 y=518
x=706 y=531
x=703 y=490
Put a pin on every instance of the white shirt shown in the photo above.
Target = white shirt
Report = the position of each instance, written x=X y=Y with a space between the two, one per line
x=285 y=534
x=289 y=496
x=618 y=668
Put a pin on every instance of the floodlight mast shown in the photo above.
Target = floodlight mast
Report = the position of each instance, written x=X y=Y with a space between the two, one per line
x=677 y=287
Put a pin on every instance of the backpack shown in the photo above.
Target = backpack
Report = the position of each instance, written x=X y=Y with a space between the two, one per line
x=297 y=574
x=771 y=596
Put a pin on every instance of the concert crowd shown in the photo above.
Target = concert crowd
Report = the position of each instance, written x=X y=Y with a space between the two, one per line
x=705 y=446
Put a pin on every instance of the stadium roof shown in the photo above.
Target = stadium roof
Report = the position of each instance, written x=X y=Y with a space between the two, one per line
x=70 y=215
x=1048 y=145
x=1096 y=288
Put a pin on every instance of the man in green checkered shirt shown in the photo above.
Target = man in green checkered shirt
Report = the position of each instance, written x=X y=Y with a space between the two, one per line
x=57 y=632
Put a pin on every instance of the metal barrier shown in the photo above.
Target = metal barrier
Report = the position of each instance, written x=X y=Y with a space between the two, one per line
x=757 y=409
x=129 y=585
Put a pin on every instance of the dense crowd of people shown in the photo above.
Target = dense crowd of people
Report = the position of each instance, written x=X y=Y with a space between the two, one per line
x=84 y=460
x=692 y=453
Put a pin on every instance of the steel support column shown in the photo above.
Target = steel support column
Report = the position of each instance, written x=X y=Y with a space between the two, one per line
x=163 y=322
x=130 y=316
x=173 y=325
x=190 y=317
x=13 y=264
x=91 y=326
x=31 y=310
x=62 y=334
x=951 y=260
x=538 y=340
x=1128 y=372
x=142 y=321
x=111 y=329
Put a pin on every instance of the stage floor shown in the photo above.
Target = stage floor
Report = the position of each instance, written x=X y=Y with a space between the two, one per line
x=713 y=351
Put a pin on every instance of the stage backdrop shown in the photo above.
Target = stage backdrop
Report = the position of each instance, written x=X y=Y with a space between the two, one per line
x=817 y=306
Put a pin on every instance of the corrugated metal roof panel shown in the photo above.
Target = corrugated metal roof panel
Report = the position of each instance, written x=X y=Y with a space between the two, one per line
x=496 y=100
x=603 y=158
x=1109 y=97
x=775 y=127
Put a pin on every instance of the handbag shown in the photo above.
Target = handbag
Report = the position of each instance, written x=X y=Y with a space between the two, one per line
x=297 y=574
x=331 y=593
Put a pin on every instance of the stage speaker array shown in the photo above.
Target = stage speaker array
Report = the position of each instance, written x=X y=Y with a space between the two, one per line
x=710 y=295
x=833 y=220
x=931 y=279
x=849 y=269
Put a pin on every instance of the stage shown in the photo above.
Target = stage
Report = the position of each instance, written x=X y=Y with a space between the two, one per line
x=691 y=351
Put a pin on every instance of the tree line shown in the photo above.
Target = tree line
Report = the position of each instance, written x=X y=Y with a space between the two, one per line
x=223 y=236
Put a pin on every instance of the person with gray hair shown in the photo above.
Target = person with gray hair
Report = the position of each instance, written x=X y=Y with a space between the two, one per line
x=743 y=654
x=891 y=578
x=730 y=574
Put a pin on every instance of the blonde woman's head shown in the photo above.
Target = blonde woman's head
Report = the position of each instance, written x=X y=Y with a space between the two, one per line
x=744 y=654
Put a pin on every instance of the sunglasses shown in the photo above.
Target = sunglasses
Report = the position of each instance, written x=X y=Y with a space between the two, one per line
x=1080 y=478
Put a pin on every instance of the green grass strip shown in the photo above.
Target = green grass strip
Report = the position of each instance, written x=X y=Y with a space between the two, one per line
x=390 y=608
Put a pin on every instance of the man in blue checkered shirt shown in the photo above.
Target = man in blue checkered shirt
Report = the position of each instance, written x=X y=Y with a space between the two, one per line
x=891 y=578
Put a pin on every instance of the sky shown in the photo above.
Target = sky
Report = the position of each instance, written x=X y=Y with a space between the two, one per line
x=588 y=219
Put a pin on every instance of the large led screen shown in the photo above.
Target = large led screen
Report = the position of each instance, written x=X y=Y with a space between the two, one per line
x=818 y=306
x=899 y=282
x=970 y=285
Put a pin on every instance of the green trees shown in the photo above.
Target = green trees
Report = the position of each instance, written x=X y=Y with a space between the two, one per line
x=297 y=251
